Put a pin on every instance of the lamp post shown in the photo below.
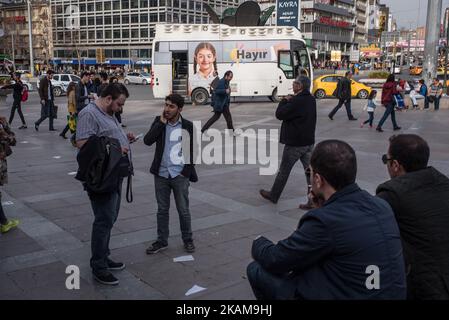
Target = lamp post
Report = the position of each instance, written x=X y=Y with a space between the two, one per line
x=30 y=35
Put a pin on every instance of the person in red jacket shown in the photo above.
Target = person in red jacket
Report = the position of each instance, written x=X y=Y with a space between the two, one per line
x=389 y=89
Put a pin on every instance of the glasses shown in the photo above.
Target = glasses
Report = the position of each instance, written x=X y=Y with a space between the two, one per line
x=385 y=159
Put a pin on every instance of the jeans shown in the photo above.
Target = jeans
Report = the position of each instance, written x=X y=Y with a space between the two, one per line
x=347 y=103
x=17 y=105
x=216 y=116
x=106 y=208
x=436 y=101
x=268 y=286
x=3 y=219
x=290 y=156
x=65 y=130
x=163 y=187
x=389 y=110
x=48 y=114
x=415 y=97
x=370 y=119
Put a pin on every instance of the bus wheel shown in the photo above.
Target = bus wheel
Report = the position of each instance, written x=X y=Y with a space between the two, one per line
x=274 y=96
x=200 y=96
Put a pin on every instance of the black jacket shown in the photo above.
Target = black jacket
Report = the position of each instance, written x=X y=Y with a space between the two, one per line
x=420 y=201
x=344 y=89
x=17 y=89
x=44 y=86
x=80 y=96
x=299 y=120
x=327 y=256
x=157 y=134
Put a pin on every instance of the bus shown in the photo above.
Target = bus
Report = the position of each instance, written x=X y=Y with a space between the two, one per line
x=188 y=59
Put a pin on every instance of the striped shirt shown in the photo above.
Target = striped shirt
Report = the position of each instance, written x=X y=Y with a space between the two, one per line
x=92 y=120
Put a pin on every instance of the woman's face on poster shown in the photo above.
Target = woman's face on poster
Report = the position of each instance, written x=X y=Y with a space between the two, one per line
x=205 y=59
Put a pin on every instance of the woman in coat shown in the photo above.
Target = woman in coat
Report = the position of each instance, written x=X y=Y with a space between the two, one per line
x=7 y=139
x=220 y=102
x=71 y=106
x=389 y=89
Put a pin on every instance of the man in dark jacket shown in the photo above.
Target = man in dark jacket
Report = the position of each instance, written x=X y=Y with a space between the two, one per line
x=47 y=101
x=82 y=93
x=172 y=168
x=419 y=196
x=298 y=115
x=18 y=88
x=343 y=93
x=347 y=248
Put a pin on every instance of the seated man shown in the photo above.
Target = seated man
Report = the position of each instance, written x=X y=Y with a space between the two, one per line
x=347 y=248
x=420 y=94
x=435 y=93
x=419 y=196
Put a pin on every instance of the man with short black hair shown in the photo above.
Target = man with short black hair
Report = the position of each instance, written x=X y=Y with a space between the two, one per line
x=298 y=115
x=172 y=168
x=337 y=249
x=81 y=92
x=97 y=119
x=343 y=93
x=47 y=101
x=419 y=197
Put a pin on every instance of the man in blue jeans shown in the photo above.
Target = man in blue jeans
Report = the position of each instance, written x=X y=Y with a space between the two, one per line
x=172 y=169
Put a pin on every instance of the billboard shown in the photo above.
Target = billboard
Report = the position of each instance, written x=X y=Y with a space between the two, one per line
x=335 y=55
x=288 y=13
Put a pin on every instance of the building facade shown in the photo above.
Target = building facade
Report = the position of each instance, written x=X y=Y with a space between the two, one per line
x=14 y=44
x=361 y=29
x=121 y=30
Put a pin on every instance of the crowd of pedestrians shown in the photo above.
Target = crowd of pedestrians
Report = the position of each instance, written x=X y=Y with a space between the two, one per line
x=401 y=231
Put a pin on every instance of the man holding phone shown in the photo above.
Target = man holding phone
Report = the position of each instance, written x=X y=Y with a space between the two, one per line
x=47 y=101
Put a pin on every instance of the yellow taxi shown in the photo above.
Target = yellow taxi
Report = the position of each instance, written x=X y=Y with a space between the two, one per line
x=325 y=86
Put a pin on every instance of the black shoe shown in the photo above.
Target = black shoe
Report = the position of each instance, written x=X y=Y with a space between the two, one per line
x=266 y=195
x=53 y=129
x=123 y=125
x=23 y=127
x=330 y=117
x=352 y=119
x=36 y=127
x=63 y=136
x=397 y=128
x=379 y=129
x=156 y=247
x=115 y=266
x=105 y=277
x=189 y=246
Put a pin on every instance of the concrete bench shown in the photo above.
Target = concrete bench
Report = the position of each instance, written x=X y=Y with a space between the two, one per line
x=444 y=103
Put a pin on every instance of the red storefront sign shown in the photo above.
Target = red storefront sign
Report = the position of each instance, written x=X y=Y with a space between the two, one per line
x=17 y=19
x=331 y=22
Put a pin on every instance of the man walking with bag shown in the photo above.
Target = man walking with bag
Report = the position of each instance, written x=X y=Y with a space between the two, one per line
x=343 y=93
x=47 y=101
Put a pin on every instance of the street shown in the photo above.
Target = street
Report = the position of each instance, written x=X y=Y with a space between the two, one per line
x=227 y=211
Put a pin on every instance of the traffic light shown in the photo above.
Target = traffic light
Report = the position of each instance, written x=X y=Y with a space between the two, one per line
x=100 y=55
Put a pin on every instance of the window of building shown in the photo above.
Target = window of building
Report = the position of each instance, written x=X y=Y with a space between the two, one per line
x=198 y=20
x=91 y=35
x=191 y=19
x=99 y=21
x=125 y=4
x=125 y=53
x=60 y=22
x=192 y=5
x=125 y=19
x=99 y=34
x=117 y=53
x=134 y=18
x=175 y=3
x=161 y=3
x=83 y=35
x=135 y=33
x=60 y=36
x=162 y=17
x=153 y=17
x=108 y=34
x=198 y=5
x=183 y=4
x=125 y=33
x=183 y=18
x=175 y=18
x=90 y=7
x=116 y=20
x=116 y=34
x=59 y=9
x=153 y=3
x=91 y=21
x=108 y=53
x=144 y=3
x=82 y=7
x=107 y=5
x=151 y=33
x=134 y=4
x=83 y=21
x=116 y=5
x=99 y=6
x=144 y=33
x=143 y=17
x=92 y=54
x=144 y=53
x=204 y=20
x=107 y=19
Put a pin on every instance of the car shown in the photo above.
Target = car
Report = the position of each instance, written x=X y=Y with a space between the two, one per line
x=7 y=79
x=138 y=78
x=325 y=86
x=416 y=70
x=25 y=73
x=60 y=82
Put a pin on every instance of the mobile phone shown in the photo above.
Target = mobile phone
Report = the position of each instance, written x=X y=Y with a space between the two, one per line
x=139 y=136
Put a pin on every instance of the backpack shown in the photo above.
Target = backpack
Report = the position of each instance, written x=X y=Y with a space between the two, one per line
x=400 y=104
x=24 y=95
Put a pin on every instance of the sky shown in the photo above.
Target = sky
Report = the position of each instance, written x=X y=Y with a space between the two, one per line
x=406 y=11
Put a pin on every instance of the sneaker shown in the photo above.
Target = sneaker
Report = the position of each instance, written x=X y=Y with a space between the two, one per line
x=266 y=195
x=361 y=125
x=397 y=128
x=189 y=246
x=331 y=118
x=379 y=129
x=237 y=132
x=105 y=277
x=115 y=266
x=23 y=127
x=11 y=224
x=36 y=127
x=156 y=247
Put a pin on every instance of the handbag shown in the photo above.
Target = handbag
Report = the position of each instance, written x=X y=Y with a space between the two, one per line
x=431 y=99
x=72 y=119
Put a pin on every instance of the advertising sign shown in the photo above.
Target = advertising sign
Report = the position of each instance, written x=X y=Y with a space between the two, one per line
x=288 y=13
x=335 y=55
x=355 y=56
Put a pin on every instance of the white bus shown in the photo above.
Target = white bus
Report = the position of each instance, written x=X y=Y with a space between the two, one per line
x=264 y=60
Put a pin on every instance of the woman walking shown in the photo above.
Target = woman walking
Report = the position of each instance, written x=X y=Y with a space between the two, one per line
x=18 y=89
x=389 y=89
x=71 y=106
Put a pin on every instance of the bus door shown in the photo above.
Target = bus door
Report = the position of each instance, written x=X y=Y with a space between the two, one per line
x=285 y=81
x=180 y=72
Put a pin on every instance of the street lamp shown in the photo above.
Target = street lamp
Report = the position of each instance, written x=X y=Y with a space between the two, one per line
x=30 y=35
